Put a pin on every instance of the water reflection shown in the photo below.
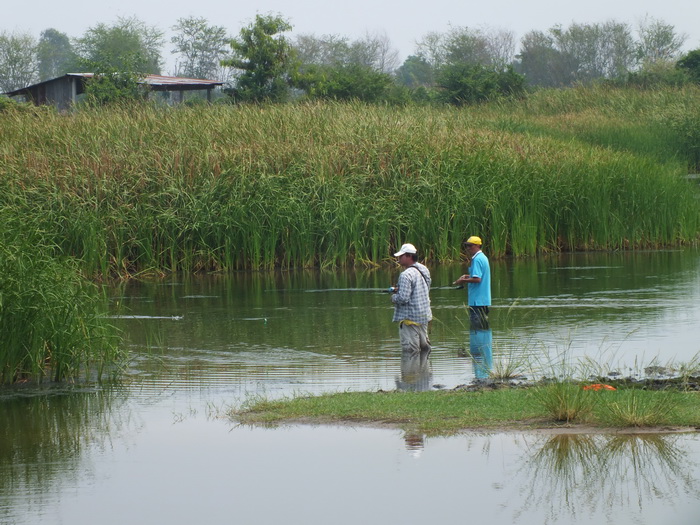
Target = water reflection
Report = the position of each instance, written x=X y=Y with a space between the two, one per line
x=214 y=340
x=416 y=375
x=415 y=443
x=45 y=435
x=574 y=475
x=480 y=349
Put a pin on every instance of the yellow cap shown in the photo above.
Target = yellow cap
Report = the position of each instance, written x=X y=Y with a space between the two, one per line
x=474 y=240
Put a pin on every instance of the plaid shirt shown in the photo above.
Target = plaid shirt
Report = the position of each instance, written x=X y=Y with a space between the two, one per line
x=412 y=301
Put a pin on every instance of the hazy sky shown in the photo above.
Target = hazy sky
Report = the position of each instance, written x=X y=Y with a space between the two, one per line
x=403 y=22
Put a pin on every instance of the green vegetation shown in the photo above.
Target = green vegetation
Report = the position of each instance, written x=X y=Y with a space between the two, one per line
x=136 y=189
x=637 y=408
x=112 y=86
x=264 y=57
x=557 y=400
x=446 y=412
x=564 y=401
x=472 y=84
x=344 y=82
x=128 y=45
x=50 y=321
x=691 y=64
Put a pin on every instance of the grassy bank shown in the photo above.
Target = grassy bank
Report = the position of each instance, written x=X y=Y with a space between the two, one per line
x=447 y=412
x=147 y=189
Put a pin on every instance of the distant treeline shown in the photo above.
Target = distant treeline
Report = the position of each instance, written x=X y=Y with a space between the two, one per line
x=462 y=65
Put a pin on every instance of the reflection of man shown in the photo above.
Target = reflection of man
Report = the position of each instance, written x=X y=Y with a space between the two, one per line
x=480 y=348
x=478 y=284
x=415 y=372
x=411 y=300
x=414 y=443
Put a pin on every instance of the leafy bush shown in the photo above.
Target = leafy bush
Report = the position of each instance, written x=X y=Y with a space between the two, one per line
x=655 y=76
x=8 y=104
x=690 y=64
x=111 y=85
x=471 y=84
x=344 y=82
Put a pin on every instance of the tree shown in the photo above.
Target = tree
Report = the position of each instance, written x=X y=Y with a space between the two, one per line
x=619 y=47
x=201 y=48
x=542 y=63
x=55 y=55
x=374 y=52
x=501 y=48
x=596 y=50
x=415 y=72
x=463 y=45
x=264 y=57
x=326 y=50
x=579 y=53
x=690 y=63
x=466 y=46
x=431 y=48
x=657 y=74
x=18 y=66
x=658 y=42
x=129 y=45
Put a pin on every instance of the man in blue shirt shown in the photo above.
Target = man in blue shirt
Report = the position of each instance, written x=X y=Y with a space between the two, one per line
x=478 y=284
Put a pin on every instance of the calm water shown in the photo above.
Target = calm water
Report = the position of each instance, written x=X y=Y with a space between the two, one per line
x=156 y=450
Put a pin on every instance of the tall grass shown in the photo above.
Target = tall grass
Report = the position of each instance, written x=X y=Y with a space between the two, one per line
x=51 y=324
x=564 y=401
x=663 y=124
x=144 y=189
x=637 y=408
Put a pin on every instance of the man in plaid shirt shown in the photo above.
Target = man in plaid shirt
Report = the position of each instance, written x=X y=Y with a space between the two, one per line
x=411 y=300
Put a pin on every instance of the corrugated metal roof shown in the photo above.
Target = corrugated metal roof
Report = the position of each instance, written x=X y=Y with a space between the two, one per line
x=169 y=81
x=161 y=80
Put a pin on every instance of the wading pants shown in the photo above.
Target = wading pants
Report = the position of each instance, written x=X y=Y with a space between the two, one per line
x=414 y=339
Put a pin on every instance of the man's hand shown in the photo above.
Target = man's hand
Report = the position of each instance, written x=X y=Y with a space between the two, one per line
x=463 y=279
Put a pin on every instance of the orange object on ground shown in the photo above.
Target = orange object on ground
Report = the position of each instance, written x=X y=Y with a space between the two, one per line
x=599 y=386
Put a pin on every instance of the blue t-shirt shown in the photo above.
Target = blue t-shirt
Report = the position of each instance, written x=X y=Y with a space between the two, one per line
x=479 y=294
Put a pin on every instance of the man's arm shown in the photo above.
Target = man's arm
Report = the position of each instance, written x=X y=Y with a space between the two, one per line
x=405 y=285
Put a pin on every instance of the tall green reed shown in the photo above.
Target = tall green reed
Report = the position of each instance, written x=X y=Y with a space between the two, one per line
x=52 y=326
x=135 y=190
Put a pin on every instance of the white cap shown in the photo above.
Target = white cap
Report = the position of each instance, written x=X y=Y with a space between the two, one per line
x=406 y=248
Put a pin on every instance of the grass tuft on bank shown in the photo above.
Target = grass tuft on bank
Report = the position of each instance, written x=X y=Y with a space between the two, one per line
x=448 y=412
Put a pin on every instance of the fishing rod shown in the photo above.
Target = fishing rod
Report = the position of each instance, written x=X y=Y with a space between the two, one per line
x=394 y=289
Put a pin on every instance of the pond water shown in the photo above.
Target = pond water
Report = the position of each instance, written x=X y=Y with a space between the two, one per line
x=156 y=449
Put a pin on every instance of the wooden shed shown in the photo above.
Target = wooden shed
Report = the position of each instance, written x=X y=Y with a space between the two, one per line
x=62 y=92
